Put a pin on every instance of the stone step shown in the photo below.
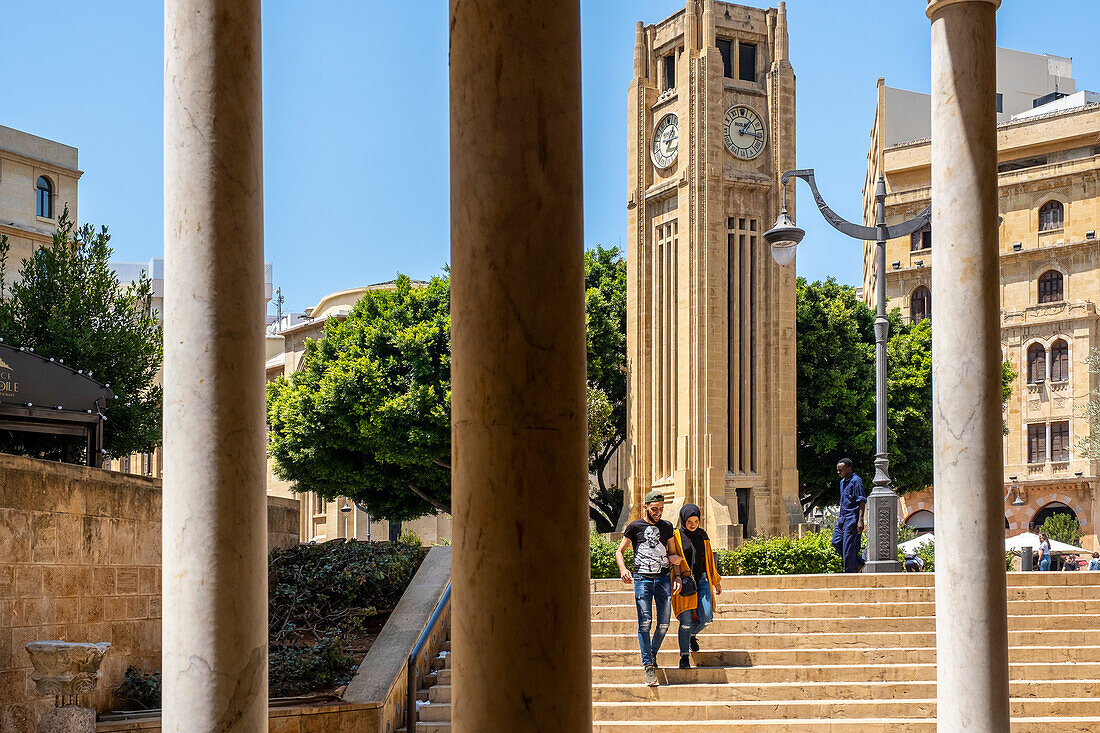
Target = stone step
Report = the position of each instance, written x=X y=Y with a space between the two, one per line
x=435 y=712
x=862 y=725
x=442 y=726
x=440 y=693
x=799 y=709
x=741 y=625
x=736 y=598
x=783 y=692
x=669 y=656
x=843 y=581
x=443 y=677
x=883 y=609
x=873 y=640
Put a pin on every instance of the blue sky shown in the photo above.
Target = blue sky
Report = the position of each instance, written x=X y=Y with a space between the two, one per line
x=355 y=117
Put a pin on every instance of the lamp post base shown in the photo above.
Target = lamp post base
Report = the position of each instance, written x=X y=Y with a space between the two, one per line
x=881 y=521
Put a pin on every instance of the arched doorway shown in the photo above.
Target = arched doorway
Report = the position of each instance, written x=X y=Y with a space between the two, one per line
x=921 y=522
x=1054 y=507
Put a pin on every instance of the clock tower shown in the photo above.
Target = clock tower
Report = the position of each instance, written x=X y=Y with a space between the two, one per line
x=710 y=316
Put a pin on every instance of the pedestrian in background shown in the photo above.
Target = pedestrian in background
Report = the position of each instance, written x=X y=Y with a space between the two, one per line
x=1044 y=551
x=694 y=610
x=1094 y=563
x=849 y=523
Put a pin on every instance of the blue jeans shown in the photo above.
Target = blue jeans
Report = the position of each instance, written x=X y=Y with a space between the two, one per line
x=650 y=593
x=694 y=620
x=1044 y=562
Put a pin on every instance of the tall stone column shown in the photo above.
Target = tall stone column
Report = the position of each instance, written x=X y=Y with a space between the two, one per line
x=971 y=607
x=215 y=515
x=520 y=624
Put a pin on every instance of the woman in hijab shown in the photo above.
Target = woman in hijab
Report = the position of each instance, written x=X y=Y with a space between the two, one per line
x=696 y=611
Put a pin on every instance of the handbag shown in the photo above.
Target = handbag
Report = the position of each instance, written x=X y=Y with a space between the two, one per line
x=687 y=586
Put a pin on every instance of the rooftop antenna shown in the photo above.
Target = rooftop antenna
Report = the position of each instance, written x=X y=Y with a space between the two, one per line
x=279 y=300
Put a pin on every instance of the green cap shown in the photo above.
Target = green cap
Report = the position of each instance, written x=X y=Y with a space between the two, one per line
x=654 y=496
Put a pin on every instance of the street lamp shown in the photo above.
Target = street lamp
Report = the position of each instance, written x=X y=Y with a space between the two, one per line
x=882 y=504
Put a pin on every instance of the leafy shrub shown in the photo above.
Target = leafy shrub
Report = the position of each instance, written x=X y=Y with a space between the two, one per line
x=301 y=668
x=139 y=690
x=1064 y=528
x=602 y=552
x=317 y=589
x=410 y=538
x=812 y=553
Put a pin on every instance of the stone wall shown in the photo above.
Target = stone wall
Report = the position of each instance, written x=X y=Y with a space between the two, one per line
x=80 y=552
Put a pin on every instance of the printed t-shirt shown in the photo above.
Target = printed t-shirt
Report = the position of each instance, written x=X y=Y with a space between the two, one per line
x=650 y=542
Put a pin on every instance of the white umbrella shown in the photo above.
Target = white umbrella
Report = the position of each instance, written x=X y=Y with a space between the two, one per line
x=910 y=546
x=1030 y=539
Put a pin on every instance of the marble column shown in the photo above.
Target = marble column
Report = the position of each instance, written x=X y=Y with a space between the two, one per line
x=971 y=607
x=215 y=515
x=520 y=627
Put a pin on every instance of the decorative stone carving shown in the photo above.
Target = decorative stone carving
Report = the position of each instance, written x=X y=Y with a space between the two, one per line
x=66 y=669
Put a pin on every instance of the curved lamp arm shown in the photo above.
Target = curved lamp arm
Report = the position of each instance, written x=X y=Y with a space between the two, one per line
x=843 y=225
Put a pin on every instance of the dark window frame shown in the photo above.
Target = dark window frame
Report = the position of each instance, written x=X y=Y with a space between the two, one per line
x=44 y=197
x=1051 y=287
x=1059 y=441
x=921 y=240
x=669 y=66
x=1059 y=361
x=1037 y=443
x=1052 y=216
x=747 y=61
x=920 y=304
x=725 y=47
x=1036 y=363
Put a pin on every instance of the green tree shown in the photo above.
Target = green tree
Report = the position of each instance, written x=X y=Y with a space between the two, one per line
x=368 y=415
x=836 y=382
x=1064 y=528
x=836 y=392
x=605 y=321
x=67 y=302
x=1089 y=444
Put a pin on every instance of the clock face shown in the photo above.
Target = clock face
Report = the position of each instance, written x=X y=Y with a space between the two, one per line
x=666 y=141
x=745 y=132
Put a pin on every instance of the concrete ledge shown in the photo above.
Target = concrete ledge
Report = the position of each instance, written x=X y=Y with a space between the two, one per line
x=380 y=680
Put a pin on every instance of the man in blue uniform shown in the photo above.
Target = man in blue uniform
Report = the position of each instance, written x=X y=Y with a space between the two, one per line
x=849 y=523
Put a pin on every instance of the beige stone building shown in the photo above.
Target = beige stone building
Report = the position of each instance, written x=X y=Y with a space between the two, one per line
x=322 y=520
x=1048 y=138
x=38 y=179
x=710 y=322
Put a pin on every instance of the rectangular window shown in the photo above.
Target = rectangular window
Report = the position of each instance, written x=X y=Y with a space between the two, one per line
x=1037 y=443
x=670 y=71
x=320 y=506
x=725 y=47
x=746 y=61
x=125 y=464
x=1000 y=103
x=1059 y=441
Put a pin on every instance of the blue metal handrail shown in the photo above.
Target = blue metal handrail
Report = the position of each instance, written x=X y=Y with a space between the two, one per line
x=411 y=680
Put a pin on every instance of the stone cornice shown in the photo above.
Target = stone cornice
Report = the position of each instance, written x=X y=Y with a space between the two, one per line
x=935 y=6
x=45 y=165
x=12 y=229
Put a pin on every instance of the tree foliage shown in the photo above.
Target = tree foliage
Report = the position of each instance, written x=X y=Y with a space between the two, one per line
x=1063 y=528
x=605 y=322
x=67 y=302
x=836 y=392
x=1089 y=443
x=368 y=415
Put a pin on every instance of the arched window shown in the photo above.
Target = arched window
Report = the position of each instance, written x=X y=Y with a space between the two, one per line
x=45 y=198
x=1036 y=364
x=920 y=304
x=1059 y=361
x=1052 y=215
x=1054 y=507
x=1050 y=287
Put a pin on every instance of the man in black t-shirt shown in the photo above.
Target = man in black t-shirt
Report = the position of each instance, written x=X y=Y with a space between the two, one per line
x=654 y=555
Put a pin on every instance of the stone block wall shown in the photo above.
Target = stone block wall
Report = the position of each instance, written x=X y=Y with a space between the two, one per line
x=80 y=554
x=80 y=562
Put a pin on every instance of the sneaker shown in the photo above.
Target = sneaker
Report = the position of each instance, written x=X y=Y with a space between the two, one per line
x=694 y=644
x=651 y=675
x=685 y=663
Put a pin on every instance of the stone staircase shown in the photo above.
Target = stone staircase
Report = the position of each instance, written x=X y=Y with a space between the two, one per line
x=833 y=652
